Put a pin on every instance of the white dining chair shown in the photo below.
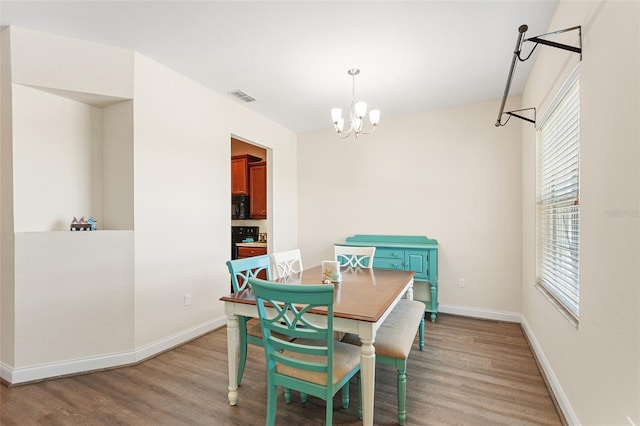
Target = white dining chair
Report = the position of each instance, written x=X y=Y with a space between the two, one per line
x=355 y=257
x=285 y=263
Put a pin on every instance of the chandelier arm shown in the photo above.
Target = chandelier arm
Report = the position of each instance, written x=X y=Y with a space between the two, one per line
x=349 y=130
x=368 y=132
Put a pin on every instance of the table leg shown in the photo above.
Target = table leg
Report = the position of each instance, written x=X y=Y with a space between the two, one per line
x=368 y=375
x=232 y=353
x=434 y=301
x=410 y=291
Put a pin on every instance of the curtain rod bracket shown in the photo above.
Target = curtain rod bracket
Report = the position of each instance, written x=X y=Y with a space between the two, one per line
x=516 y=56
x=521 y=117
x=574 y=49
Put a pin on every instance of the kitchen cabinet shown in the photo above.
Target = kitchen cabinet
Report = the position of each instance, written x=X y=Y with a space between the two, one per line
x=240 y=173
x=244 y=252
x=407 y=253
x=258 y=190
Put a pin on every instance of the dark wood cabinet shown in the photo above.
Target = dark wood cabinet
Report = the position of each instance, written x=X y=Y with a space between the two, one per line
x=244 y=252
x=258 y=190
x=240 y=173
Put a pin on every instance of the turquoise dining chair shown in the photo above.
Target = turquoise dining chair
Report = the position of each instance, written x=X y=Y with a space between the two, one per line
x=241 y=270
x=314 y=363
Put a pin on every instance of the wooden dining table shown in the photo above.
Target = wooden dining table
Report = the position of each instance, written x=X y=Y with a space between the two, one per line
x=363 y=300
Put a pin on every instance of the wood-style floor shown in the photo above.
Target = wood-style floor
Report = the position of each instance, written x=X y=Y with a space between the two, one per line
x=472 y=372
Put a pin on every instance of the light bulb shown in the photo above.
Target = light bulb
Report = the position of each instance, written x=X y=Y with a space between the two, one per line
x=336 y=113
x=340 y=123
x=357 y=124
x=374 y=116
x=361 y=109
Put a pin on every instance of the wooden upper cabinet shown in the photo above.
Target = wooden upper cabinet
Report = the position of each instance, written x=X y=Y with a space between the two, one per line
x=258 y=190
x=240 y=173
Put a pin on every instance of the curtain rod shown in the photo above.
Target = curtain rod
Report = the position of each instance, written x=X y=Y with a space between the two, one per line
x=516 y=57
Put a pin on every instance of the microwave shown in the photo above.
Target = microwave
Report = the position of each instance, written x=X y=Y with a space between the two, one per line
x=239 y=207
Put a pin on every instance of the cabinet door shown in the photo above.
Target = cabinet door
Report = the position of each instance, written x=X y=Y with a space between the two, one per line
x=258 y=190
x=418 y=261
x=239 y=180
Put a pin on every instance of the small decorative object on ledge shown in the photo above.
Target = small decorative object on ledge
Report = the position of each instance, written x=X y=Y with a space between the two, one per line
x=331 y=271
x=82 y=224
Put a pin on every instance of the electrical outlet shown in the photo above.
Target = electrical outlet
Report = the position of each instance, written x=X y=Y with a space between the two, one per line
x=461 y=282
x=187 y=299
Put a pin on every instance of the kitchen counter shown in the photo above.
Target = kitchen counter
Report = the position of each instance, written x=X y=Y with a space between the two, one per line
x=253 y=244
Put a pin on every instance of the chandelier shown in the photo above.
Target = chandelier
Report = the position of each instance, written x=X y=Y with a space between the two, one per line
x=357 y=111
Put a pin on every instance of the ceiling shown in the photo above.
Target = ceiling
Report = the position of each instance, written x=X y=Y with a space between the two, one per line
x=293 y=56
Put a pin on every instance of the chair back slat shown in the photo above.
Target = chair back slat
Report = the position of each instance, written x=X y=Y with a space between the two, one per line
x=286 y=263
x=355 y=257
x=243 y=269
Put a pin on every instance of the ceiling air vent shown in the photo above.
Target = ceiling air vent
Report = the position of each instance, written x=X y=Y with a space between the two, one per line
x=241 y=95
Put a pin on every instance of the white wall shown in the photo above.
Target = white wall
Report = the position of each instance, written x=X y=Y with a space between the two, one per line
x=447 y=174
x=115 y=297
x=181 y=173
x=73 y=296
x=67 y=64
x=6 y=208
x=75 y=288
x=57 y=166
x=595 y=366
x=182 y=195
x=117 y=166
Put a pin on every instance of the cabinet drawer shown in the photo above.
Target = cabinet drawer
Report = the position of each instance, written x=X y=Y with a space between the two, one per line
x=388 y=263
x=251 y=251
x=389 y=253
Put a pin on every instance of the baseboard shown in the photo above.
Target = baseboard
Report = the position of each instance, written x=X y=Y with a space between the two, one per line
x=23 y=375
x=5 y=374
x=170 y=342
x=65 y=368
x=556 y=389
x=480 y=313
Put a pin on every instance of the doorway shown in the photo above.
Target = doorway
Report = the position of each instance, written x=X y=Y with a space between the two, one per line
x=249 y=184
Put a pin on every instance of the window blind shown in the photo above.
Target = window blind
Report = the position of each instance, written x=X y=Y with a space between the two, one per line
x=558 y=214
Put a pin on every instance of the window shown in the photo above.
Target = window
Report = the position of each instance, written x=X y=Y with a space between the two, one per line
x=558 y=192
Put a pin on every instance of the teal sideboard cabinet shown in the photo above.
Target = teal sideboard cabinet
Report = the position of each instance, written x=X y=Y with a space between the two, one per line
x=405 y=252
